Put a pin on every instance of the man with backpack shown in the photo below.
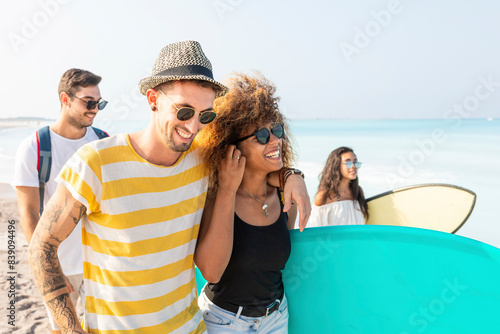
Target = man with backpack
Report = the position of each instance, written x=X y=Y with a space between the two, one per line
x=41 y=156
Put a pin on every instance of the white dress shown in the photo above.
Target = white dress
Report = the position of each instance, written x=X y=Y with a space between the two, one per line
x=336 y=213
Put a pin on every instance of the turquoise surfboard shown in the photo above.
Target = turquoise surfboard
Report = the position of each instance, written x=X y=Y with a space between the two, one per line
x=374 y=279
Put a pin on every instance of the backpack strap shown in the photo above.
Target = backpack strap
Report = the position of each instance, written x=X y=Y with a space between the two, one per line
x=44 y=160
x=100 y=133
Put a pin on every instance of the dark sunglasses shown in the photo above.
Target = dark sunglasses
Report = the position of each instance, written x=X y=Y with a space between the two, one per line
x=185 y=113
x=349 y=164
x=91 y=104
x=263 y=135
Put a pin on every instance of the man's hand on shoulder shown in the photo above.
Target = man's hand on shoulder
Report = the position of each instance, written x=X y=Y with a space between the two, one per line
x=295 y=190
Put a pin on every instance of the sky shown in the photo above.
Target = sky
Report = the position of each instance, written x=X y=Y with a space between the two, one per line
x=396 y=59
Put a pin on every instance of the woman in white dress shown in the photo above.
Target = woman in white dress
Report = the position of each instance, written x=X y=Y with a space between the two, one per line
x=339 y=200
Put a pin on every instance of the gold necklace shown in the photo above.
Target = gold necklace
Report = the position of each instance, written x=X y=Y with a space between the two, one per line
x=264 y=204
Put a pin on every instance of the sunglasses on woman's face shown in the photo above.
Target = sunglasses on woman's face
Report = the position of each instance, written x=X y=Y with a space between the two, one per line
x=91 y=104
x=185 y=113
x=349 y=164
x=263 y=135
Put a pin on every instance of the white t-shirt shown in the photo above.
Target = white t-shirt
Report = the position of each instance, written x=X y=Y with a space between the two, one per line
x=26 y=174
x=336 y=213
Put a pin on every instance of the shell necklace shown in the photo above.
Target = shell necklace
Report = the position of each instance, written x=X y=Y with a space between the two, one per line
x=264 y=204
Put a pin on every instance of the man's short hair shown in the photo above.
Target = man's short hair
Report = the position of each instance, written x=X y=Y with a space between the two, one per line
x=74 y=78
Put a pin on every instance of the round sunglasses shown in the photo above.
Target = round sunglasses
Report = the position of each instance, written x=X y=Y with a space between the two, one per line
x=91 y=104
x=263 y=135
x=349 y=164
x=186 y=113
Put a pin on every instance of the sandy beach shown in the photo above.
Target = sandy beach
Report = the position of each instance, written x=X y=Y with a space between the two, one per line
x=29 y=314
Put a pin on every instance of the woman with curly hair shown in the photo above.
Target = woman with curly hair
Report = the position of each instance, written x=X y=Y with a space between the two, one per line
x=244 y=243
x=339 y=200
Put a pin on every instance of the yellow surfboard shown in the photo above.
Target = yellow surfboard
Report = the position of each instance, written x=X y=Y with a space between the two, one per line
x=439 y=207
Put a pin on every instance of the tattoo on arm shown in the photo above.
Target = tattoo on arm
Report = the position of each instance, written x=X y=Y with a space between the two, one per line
x=82 y=209
x=60 y=306
x=53 y=214
x=49 y=278
x=44 y=263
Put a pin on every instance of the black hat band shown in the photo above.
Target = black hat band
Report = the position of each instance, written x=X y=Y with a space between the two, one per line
x=186 y=70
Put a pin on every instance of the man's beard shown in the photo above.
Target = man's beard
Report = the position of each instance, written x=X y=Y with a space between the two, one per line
x=177 y=147
x=76 y=123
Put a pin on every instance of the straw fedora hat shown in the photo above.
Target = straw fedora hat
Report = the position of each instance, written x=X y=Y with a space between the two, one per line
x=181 y=61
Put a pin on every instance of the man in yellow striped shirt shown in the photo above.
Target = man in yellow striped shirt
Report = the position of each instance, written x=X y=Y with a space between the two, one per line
x=140 y=198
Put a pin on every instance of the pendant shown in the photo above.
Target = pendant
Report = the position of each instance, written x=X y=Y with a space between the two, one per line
x=264 y=207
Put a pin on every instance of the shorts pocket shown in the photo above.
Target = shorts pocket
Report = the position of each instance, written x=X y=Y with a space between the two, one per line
x=283 y=309
x=215 y=319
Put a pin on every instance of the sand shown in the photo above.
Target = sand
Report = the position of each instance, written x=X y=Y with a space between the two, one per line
x=30 y=314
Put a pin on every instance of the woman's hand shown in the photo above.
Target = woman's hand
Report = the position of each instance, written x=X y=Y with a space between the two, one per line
x=231 y=170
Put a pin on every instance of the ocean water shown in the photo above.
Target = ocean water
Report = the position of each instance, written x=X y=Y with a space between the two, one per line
x=395 y=153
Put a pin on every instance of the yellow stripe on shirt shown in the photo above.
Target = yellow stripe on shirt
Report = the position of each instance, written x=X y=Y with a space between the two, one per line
x=137 y=277
x=139 y=185
x=88 y=151
x=114 y=154
x=154 y=215
x=126 y=308
x=142 y=247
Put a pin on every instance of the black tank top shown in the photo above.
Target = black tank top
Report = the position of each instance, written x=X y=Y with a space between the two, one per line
x=253 y=275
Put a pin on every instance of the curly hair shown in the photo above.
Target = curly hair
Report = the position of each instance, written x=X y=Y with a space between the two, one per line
x=330 y=180
x=249 y=105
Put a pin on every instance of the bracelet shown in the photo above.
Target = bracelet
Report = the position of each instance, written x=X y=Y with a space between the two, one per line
x=285 y=172
x=292 y=172
x=282 y=172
